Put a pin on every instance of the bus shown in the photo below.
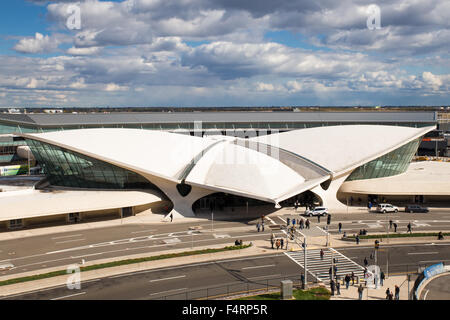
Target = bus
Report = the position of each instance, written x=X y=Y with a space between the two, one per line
x=13 y=170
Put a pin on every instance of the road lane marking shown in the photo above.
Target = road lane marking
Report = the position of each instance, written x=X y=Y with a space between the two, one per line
x=169 y=278
x=86 y=255
x=149 y=230
x=69 y=296
x=428 y=261
x=152 y=294
x=255 y=267
x=271 y=221
x=262 y=277
x=172 y=241
x=221 y=236
x=435 y=252
x=71 y=236
x=70 y=241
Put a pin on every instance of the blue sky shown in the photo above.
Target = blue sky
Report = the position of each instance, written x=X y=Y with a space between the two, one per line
x=224 y=53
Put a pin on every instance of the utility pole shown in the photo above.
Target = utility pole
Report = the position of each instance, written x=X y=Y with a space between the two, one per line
x=387 y=250
x=28 y=153
x=305 y=283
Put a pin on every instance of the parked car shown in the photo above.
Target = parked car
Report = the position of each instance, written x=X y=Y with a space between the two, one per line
x=415 y=208
x=317 y=211
x=386 y=207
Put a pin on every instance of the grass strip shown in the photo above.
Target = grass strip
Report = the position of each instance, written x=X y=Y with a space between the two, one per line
x=311 y=294
x=399 y=235
x=122 y=263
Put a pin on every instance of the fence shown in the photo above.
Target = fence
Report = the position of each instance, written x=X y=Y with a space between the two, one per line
x=233 y=288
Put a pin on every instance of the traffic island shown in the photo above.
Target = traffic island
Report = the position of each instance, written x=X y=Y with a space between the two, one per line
x=318 y=293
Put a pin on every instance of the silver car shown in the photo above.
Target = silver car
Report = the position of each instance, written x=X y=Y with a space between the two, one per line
x=318 y=211
x=386 y=207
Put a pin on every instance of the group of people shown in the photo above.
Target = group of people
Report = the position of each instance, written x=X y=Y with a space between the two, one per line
x=390 y=296
x=302 y=224
x=279 y=243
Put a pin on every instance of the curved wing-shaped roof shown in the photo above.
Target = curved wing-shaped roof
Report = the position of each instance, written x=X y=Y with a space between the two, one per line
x=232 y=167
x=342 y=148
x=158 y=153
x=275 y=168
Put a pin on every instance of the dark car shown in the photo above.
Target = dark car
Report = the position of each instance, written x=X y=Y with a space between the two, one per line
x=415 y=208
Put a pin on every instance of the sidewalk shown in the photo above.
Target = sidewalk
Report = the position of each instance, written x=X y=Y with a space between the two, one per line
x=376 y=294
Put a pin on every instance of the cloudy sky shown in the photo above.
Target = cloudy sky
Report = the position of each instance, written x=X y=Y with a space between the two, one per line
x=224 y=52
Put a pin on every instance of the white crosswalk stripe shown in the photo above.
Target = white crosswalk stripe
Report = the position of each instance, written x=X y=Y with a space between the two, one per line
x=319 y=268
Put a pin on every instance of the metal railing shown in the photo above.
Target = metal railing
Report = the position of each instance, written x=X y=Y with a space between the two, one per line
x=234 y=289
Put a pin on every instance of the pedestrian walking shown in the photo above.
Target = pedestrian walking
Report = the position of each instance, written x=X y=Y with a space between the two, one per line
x=171 y=217
x=258 y=226
x=287 y=242
x=302 y=224
x=330 y=272
x=382 y=277
x=360 y=291
x=397 y=292
x=388 y=293
x=288 y=221
x=318 y=218
x=409 y=228
x=293 y=222
x=366 y=263
x=390 y=224
x=338 y=288
x=395 y=227
x=340 y=227
x=321 y=254
x=357 y=239
x=347 y=281
x=353 y=278
x=307 y=223
x=281 y=243
x=335 y=271
x=272 y=242
x=262 y=226
x=278 y=244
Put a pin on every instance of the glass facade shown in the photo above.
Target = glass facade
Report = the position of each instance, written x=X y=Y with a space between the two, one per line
x=70 y=169
x=392 y=163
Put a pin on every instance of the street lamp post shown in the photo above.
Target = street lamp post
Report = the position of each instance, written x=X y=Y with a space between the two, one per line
x=305 y=282
x=387 y=250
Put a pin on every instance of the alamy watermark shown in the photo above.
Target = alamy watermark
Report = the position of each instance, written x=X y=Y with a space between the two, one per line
x=374 y=18
x=74 y=280
x=73 y=21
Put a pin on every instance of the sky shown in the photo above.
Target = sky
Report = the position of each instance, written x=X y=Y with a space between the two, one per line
x=186 y=53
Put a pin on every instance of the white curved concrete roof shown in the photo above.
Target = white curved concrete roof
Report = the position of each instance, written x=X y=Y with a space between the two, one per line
x=219 y=164
x=31 y=203
x=159 y=153
x=341 y=148
x=233 y=167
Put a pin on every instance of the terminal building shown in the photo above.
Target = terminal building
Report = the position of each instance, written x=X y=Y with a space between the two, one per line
x=98 y=165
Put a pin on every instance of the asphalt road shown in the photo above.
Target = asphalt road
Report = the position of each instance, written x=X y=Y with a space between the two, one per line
x=437 y=289
x=63 y=249
x=232 y=275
